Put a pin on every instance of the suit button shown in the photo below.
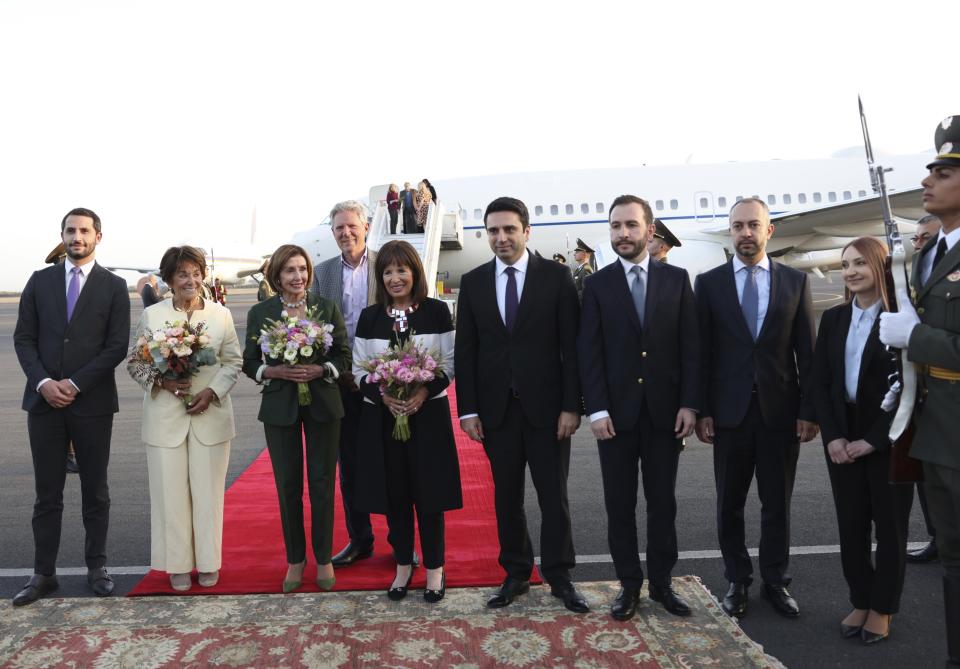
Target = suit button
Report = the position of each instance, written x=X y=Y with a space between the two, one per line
x=643 y=354
x=639 y=380
x=66 y=340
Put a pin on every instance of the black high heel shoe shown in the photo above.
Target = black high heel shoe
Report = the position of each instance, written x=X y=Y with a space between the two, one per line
x=434 y=596
x=396 y=594
x=850 y=631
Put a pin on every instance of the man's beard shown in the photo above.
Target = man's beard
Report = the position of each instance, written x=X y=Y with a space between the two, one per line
x=753 y=249
x=79 y=254
x=636 y=249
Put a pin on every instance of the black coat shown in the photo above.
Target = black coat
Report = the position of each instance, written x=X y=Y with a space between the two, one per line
x=621 y=365
x=85 y=350
x=538 y=359
x=876 y=364
x=779 y=363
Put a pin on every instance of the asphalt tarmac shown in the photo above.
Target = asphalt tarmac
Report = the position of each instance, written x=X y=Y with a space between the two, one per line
x=917 y=638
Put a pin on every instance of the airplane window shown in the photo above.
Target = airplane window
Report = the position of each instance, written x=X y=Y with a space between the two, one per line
x=861 y=193
x=771 y=199
x=554 y=210
x=802 y=198
x=674 y=204
x=787 y=199
x=739 y=197
x=538 y=210
x=584 y=208
x=722 y=202
x=847 y=195
x=568 y=209
x=599 y=207
x=817 y=197
x=832 y=196
x=477 y=214
x=659 y=205
x=703 y=203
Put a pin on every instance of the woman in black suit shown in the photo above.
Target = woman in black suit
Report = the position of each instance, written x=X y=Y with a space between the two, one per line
x=423 y=473
x=852 y=370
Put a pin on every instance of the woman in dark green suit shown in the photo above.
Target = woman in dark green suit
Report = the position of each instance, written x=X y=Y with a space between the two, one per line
x=284 y=420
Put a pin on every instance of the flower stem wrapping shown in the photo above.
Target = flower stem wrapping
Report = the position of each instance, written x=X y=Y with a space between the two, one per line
x=303 y=394
x=401 y=428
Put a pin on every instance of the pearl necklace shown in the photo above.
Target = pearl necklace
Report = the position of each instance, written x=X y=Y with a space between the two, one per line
x=293 y=305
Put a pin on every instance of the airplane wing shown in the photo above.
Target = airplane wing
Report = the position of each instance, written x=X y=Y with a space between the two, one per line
x=142 y=270
x=850 y=219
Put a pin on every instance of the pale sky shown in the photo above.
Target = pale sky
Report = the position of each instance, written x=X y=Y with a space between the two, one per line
x=172 y=120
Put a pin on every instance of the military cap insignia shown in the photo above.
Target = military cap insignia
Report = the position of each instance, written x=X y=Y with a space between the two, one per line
x=945 y=123
x=946 y=148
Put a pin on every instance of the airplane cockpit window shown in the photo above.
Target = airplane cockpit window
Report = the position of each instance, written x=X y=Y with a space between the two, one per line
x=787 y=198
x=847 y=195
x=722 y=202
x=771 y=199
x=802 y=198
x=599 y=207
x=659 y=205
x=538 y=210
x=674 y=204
x=584 y=208
x=817 y=197
x=568 y=209
x=832 y=196
x=554 y=210
x=477 y=214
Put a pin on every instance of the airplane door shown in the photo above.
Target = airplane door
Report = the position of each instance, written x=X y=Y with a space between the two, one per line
x=703 y=206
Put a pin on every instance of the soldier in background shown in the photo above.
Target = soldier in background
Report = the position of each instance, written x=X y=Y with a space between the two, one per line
x=662 y=241
x=583 y=254
x=930 y=335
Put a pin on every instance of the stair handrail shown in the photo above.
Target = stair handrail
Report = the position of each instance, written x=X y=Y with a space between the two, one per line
x=433 y=232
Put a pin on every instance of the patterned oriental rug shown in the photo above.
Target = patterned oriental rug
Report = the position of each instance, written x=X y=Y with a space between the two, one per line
x=362 y=629
x=254 y=561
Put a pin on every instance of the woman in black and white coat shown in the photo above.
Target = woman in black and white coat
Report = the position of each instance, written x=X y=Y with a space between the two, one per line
x=423 y=473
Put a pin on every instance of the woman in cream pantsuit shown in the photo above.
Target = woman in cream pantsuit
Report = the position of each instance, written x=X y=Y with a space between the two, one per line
x=188 y=445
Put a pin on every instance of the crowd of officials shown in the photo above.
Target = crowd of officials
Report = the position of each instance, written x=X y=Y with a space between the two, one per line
x=644 y=357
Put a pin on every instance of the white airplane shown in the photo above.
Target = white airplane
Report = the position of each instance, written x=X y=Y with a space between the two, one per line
x=816 y=205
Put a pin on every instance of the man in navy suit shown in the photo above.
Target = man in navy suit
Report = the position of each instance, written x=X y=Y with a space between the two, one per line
x=517 y=393
x=639 y=356
x=757 y=358
x=72 y=331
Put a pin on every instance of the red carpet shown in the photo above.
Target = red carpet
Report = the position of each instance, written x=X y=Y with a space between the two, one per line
x=253 y=553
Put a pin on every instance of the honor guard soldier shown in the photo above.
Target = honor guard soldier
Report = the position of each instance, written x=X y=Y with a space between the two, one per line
x=930 y=334
x=583 y=254
x=662 y=241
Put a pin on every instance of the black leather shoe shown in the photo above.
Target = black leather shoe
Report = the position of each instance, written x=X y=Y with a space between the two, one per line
x=100 y=582
x=735 y=601
x=72 y=467
x=923 y=555
x=434 y=596
x=509 y=591
x=350 y=554
x=396 y=594
x=38 y=586
x=572 y=600
x=782 y=601
x=671 y=601
x=625 y=605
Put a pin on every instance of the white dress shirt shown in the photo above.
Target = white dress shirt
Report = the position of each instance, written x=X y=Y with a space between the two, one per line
x=861 y=322
x=354 y=293
x=628 y=266
x=952 y=238
x=763 y=285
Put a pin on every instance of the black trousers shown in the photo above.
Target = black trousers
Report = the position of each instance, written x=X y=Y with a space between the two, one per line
x=400 y=463
x=358 y=522
x=656 y=454
x=943 y=495
x=286 y=446
x=510 y=447
x=409 y=220
x=922 y=496
x=393 y=220
x=50 y=436
x=738 y=453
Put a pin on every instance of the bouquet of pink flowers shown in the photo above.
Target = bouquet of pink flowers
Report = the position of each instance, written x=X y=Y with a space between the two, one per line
x=400 y=371
x=175 y=351
x=297 y=341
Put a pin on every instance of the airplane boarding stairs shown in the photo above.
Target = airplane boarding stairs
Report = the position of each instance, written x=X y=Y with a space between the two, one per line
x=442 y=230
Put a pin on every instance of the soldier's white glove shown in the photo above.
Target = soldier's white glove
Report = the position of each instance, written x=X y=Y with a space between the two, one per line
x=889 y=402
x=895 y=328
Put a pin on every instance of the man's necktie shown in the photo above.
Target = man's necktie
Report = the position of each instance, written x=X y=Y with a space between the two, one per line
x=73 y=291
x=639 y=292
x=750 y=302
x=511 y=299
x=941 y=251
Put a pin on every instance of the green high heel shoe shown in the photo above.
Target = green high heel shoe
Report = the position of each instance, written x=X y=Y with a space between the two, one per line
x=290 y=586
x=326 y=583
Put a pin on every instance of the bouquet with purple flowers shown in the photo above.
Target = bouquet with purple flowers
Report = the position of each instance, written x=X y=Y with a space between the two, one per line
x=400 y=371
x=297 y=341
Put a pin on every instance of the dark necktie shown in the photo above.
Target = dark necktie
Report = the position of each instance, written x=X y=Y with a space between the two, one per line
x=941 y=251
x=73 y=291
x=639 y=292
x=750 y=302
x=511 y=300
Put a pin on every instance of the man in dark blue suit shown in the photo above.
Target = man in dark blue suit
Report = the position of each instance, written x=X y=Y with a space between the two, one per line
x=757 y=357
x=72 y=331
x=639 y=355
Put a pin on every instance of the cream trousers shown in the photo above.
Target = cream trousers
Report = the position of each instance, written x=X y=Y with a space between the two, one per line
x=186 y=505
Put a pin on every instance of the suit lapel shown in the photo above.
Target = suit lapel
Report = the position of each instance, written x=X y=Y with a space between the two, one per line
x=916 y=271
x=60 y=292
x=487 y=299
x=531 y=283
x=654 y=277
x=618 y=277
x=772 y=299
x=870 y=349
x=371 y=277
x=839 y=345
x=729 y=287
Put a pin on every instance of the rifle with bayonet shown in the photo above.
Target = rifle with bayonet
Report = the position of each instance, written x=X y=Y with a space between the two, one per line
x=903 y=468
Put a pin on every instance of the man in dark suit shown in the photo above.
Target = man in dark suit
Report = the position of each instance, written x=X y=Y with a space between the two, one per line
x=517 y=393
x=407 y=208
x=639 y=368
x=757 y=358
x=72 y=331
